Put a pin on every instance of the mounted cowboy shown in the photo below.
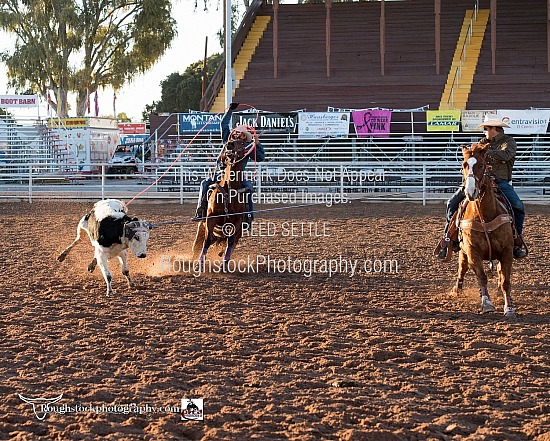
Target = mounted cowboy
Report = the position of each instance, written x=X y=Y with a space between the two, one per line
x=501 y=156
x=246 y=136
x=486 y=231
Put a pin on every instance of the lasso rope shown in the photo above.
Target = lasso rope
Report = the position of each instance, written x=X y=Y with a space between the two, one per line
x=238 y=128
x=180 y=221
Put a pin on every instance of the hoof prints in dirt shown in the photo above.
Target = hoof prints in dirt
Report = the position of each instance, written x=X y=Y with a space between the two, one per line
x=375 y=356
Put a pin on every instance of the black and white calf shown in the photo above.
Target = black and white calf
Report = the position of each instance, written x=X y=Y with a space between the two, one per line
x=112 y=232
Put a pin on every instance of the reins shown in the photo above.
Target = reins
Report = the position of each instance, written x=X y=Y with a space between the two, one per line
x=483 y=226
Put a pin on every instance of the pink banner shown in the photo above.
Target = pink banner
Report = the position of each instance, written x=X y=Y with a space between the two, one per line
x=372 y=123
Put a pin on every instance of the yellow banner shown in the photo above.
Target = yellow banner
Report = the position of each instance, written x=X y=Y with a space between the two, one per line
x=443 y=120
x=67 y=123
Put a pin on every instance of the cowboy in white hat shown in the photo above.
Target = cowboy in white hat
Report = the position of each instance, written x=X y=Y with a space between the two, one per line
x=500 y=160
x=243 y=135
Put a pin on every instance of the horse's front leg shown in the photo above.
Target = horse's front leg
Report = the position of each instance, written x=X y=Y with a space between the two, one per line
x=506 y=286
x=233 y=240
x=229 y=248
x=198 y=244
x=486 y=304
x=206 y=245
x=462 y=270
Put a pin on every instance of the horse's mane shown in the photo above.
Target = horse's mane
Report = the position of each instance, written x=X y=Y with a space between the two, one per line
x=478 y=147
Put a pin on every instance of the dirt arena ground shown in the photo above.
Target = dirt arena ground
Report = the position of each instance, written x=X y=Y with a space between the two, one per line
x=278 y=348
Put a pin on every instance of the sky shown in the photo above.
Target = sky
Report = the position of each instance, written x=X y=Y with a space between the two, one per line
x=188 y=47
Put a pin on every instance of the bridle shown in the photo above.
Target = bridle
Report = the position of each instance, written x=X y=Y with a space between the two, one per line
x=231 y=156
x=480 y=190
x=480 y=182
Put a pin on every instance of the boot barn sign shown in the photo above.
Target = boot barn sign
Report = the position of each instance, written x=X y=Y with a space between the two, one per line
x=18 y=101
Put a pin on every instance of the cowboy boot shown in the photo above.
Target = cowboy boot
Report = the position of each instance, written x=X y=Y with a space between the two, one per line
x=201 y=211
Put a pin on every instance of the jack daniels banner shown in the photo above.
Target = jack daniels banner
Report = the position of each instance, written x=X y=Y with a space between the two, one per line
x=263 y=122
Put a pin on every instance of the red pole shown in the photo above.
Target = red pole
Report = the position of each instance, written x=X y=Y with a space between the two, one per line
x=275 y=38
x=327 y=26
x=382 y=37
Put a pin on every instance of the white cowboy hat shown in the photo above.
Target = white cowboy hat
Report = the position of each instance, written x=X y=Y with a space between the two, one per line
x=241 y=134
x=492 y=123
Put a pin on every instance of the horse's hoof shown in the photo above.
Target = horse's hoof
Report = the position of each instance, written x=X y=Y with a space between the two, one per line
x=510 y=313
x=457 y=289
x=486 y=305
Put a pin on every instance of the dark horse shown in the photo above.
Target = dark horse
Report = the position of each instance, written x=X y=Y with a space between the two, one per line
x=226 y=205
x=486 y=229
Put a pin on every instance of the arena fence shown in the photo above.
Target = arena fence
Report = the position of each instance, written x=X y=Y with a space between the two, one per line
x=281 y=182
x=411 y=166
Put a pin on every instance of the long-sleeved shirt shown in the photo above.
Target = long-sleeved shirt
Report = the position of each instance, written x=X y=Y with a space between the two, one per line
x=501 y=156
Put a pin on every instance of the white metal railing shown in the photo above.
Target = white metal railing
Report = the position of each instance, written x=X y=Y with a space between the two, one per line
x=416 y=165
x=275 y=182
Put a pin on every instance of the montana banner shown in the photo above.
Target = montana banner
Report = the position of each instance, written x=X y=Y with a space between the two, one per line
x=18 y=100
x=443 y=120
x=323 y=125
x=524 y=122
x=372 y=123
x=205 y=122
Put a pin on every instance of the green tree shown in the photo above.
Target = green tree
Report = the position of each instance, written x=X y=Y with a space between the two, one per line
x=122 y=117
x=82 y=45
x=183 y=92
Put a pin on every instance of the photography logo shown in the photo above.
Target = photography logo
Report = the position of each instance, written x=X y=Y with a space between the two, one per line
x=40 y=405
x=228 y=229
x=192 y=409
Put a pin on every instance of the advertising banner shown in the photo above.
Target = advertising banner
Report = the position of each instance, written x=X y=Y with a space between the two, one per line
x=372 y=123
x=68 y=123
x=267 y=122
x=443 y=120
x=524 y=122
x=132 y=139
x=193 y=122
x=18 y=100
x=132 y=128
x=323 y=124
x=470 y=119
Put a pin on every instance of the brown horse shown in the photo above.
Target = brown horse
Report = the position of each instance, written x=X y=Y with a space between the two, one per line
x=226 y=205
x=486 y=229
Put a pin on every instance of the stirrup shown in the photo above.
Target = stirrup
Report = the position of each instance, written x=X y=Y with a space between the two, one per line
x=247 y=222
x=519 y=253
x=444 y=250
x=199 y=215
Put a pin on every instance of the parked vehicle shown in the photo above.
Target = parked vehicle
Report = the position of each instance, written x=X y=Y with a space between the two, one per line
x=126 y=159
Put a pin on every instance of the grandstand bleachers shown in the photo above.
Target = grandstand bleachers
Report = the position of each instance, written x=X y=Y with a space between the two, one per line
x=410 y=79
x=521 y=79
